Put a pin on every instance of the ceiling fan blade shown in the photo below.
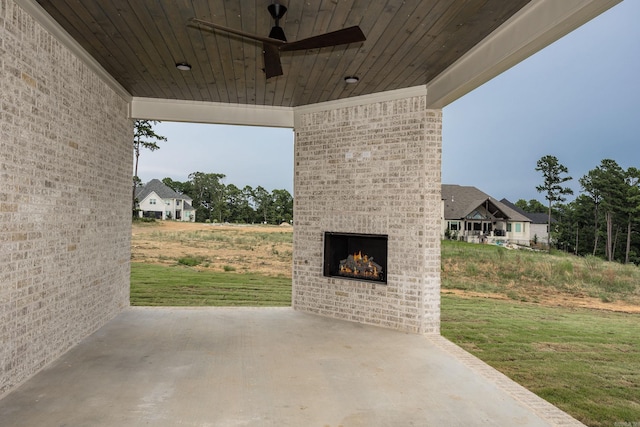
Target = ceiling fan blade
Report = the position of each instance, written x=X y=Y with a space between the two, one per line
x=272 y=65
x=334 y=38
x=265 y=40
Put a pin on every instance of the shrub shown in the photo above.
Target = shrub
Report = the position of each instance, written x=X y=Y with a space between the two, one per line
x=189 y=261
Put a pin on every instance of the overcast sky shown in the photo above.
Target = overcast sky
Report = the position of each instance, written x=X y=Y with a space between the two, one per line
x=246 y=155
x=578 y=100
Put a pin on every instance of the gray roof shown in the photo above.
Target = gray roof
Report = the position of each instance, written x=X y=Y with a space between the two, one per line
x=460 y=201
x=536 y=218
x=158 y=187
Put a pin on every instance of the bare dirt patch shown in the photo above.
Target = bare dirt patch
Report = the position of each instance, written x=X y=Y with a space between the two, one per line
x=242 y=248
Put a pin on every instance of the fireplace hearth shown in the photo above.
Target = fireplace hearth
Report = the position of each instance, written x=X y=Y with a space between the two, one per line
x=356 y=256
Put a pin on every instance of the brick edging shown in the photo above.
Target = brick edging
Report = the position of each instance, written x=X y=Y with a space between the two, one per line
x=538 y=405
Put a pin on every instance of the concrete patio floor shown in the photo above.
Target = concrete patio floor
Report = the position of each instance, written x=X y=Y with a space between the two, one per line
x=267 y=367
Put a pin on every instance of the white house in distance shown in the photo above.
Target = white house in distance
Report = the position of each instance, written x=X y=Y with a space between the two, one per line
x=469 y=214
x=539 y=230
x=156 y=200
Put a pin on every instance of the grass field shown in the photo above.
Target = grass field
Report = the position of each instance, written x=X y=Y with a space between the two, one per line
x=154 y=285
x=586 y=362
x=566 y=328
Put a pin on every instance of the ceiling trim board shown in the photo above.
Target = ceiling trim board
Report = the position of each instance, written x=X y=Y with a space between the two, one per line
x=211 y=112
x=251 y=115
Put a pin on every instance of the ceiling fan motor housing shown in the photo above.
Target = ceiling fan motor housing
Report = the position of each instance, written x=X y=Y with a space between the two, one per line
x=277 y=11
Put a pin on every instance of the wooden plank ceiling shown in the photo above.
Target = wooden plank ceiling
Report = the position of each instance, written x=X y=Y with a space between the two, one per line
x=408 y=43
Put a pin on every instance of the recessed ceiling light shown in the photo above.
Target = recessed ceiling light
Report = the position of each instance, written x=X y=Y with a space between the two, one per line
x=351 y=79
x=183 y=66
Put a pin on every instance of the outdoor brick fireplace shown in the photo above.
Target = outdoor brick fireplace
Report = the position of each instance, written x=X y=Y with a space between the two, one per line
x=356 y=256
x=367 y=201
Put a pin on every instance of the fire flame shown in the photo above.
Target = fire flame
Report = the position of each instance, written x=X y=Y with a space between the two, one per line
x=362 y=266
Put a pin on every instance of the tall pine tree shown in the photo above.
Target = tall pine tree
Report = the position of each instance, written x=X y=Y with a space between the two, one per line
x=606 y=186
x=553 y=174
x=143 y=137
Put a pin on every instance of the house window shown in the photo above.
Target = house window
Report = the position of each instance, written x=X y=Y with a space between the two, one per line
x=508 y=227
x=453 y=226
x=178 y=202
x=476 y=215
x=518 y=228
x=152 y=201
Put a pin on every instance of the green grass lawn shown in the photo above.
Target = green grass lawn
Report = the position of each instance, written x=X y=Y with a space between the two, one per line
x=153 y=285
x=586 y=362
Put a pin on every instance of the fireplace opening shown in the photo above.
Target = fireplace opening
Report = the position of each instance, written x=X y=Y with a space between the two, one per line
x=356 y=256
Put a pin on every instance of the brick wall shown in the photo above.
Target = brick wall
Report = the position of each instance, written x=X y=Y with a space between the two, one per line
x=370 y=169
x=65 y=195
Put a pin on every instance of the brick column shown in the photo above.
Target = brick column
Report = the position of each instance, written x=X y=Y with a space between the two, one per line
x=371 y=169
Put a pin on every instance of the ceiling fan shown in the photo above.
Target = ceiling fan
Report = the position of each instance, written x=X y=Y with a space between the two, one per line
x=276 y=42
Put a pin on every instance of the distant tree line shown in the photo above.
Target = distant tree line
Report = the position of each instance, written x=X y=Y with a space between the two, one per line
x=216 y=202
x=532 y=206
x=604 y=219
